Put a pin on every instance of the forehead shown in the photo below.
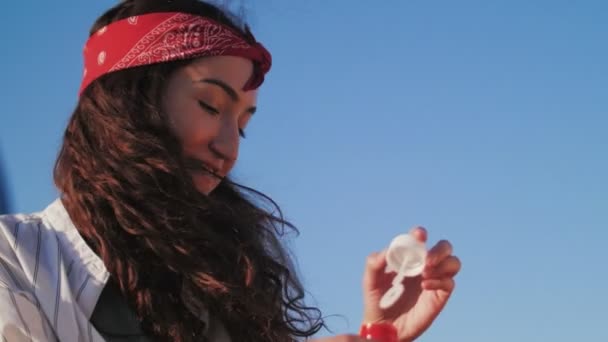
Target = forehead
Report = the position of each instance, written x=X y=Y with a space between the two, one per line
x=234 y=71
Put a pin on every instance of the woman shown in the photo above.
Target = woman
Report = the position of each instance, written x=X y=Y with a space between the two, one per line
x=150 y=239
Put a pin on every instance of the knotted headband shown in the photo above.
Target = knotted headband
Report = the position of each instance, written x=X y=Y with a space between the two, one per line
x=168 y=36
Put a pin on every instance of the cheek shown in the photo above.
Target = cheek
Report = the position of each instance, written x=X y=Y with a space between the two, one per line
x=194 y=128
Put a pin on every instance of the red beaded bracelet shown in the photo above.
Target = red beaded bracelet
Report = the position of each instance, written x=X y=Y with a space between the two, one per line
x=380 y=332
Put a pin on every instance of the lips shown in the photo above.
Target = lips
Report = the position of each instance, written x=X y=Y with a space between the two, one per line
x=212 y=170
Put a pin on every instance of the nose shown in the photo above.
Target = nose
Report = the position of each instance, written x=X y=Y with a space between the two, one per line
x=225 y=144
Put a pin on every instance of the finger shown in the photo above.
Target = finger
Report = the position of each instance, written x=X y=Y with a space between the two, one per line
x=419 y=233
x=447 y=268
x=440 y=251
x=376 y=261
x=444 y=284
x=374 y=269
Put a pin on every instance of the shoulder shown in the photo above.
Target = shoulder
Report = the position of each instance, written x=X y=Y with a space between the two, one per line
x=27 y=246
x=15 y=244
x=10 y=225
x=21 y=318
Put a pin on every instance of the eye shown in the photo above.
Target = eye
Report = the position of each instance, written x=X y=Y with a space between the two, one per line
x=208 y=108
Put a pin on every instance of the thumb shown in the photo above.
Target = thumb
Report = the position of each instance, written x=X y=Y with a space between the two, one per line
x=374 y=270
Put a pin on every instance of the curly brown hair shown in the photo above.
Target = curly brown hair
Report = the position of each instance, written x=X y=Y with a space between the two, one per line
x=127 y=187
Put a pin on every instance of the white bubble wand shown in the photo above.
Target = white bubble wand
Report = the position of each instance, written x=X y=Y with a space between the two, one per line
x=406 y=256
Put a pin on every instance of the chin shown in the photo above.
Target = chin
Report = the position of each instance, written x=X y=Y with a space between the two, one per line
x=205 y=185
x=203 y=190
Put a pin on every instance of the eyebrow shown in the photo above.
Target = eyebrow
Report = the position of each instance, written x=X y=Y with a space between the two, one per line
x=228 y=89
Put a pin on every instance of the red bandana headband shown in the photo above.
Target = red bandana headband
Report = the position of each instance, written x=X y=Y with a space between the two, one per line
x=163 y=37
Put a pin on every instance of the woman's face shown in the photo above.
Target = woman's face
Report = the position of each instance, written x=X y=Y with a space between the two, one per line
x=209 y=111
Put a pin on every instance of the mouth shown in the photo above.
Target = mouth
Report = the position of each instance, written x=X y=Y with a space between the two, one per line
x=197 y=165
x=213 y=172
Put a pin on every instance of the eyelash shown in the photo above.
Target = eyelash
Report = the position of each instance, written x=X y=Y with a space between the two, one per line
x=208 y=108
x=215 y=112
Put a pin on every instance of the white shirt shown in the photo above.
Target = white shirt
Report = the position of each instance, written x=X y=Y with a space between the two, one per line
x=50 y=280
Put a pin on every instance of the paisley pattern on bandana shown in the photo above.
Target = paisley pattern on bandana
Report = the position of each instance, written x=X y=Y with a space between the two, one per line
x=163 y=37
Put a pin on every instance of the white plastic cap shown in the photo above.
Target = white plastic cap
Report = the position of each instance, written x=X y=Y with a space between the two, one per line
x=406 y=256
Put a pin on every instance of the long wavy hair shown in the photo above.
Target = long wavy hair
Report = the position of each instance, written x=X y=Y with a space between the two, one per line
x=126 y=185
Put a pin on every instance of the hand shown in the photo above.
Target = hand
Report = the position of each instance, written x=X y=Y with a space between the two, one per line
x=342 y=338
x=425 y=296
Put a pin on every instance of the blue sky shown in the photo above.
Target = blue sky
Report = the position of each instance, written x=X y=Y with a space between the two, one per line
x=484 y=121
